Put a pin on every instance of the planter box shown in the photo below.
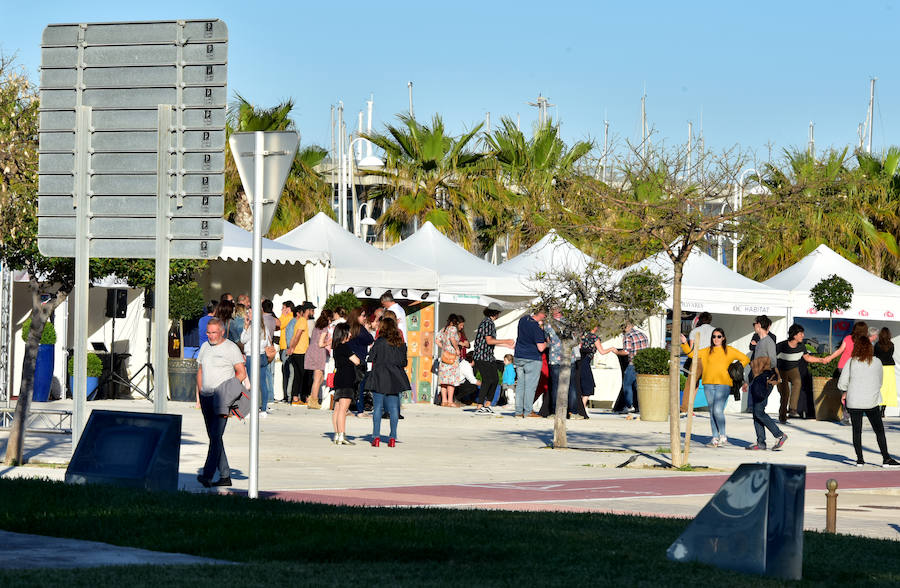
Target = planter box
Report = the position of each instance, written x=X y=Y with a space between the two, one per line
x=653 y=397
x=43 y=372
x=92 y=383
x=183 y=380
x=827 y=399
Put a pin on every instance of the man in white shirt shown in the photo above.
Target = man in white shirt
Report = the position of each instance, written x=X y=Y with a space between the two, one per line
x=221 y=366
x=388 y=302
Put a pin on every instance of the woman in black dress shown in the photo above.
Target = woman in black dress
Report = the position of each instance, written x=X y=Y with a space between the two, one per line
x=345 y=362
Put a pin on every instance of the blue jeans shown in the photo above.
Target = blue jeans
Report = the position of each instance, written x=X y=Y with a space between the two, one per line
x=629 y=383
x=215 y=428
x=762 y=421
x=717 y=396
x=528 y=374
x=553 y=385
x=379 y=402
x=265 y=384
x=361 y=396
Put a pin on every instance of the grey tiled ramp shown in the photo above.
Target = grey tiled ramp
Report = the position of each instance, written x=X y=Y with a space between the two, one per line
x=23 y=551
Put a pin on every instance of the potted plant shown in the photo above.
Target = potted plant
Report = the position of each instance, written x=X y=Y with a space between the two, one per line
x=346 y=300
x=185 y=302
x=826 y=396
x=652 y=368
x=43 y=368
x=834 y=294
x=94 y=371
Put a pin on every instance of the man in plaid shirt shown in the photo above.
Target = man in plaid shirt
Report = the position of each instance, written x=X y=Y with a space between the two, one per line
x=634 y=342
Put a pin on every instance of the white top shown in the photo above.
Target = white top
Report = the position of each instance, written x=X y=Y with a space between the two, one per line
x=465 y=371
x=263 y=339
x=217 y=363
x=705 y=334
x=401 y=319
x=862 y=383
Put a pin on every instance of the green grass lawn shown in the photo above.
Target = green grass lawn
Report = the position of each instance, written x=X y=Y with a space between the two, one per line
x=281 y=543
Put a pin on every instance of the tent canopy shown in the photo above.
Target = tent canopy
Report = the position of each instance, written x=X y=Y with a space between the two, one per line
x=356 y=264
x=462 y=277
x=873 y=298
x=708 y=285
x=238 y=246
x=551 y=253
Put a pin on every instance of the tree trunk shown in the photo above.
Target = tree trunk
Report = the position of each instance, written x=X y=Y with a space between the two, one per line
x=674 y=371
x=830 y=329
x=562 y=398
x=689 y=390
x=40 y=313
x=243 y=214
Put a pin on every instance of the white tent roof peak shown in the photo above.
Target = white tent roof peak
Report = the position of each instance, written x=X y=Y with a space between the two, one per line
x=355 y=263
x=873 y=297
x=550 y=253
x=238 y=246
x=459 y=272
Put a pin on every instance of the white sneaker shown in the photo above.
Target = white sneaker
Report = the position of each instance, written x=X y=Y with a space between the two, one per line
x=263 y=414
x=488 y=410
x=723 y=441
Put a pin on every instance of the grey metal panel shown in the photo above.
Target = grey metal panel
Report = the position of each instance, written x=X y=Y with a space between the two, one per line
x=163 y=75
x=55 y=163
x=56 y=141
x=132 y=227
x=130 y=55
x=205 y=53
x=193 y=205
x=205 y=74
x=58 y=98
x=59 y=57
x=52 y=120
x=203 y=30
x=60 y=35
x=129 y=98
x=146 y=162
x=126 y=185
x=131 y=33
x=59 y=78
x=55 y=185
x=124 y=140
x=204 y=117
x=133 y=248
x=205 y=96
x=104 y=119
x=212 y=184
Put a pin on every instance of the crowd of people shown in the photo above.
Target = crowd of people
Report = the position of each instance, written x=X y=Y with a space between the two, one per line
x=355 y=361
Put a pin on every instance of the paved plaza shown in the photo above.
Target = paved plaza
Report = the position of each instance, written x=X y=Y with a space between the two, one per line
x=455 y=458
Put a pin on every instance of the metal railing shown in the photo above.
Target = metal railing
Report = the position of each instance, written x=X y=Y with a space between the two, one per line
x=40 y=420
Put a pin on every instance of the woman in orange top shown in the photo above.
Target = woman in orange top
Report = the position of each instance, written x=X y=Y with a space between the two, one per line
x=714 y=361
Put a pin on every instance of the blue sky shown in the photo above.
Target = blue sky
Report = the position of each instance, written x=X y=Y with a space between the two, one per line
x=758 y=72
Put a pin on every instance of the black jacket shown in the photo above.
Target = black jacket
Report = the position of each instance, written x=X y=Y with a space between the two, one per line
x=388 y=376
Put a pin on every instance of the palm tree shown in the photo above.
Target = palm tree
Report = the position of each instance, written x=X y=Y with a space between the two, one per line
x=429 y=176
x=840 y=218
x=529 y=171
x=304 y=194
x=878 y=181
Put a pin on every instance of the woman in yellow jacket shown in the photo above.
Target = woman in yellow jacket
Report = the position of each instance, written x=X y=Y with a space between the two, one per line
x=714 y=361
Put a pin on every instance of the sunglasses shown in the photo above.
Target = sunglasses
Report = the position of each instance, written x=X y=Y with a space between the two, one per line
x=718 y=337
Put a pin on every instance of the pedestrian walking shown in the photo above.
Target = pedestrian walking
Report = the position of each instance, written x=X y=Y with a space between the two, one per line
x=763 y=378
x=448 y=350
x=530 y=344
x=345 y=362
x=485 y=360
x=388 y=378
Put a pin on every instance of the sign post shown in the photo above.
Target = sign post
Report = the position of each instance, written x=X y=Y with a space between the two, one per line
x=132 y=157
x=264 y=160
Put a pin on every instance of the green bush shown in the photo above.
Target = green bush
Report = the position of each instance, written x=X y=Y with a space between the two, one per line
x=94 y=365
x=822 y=370
x=348 y=300
x=653 y=361
x=48 y=337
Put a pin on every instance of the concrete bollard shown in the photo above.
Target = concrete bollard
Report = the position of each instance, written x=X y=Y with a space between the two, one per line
x=831 y=506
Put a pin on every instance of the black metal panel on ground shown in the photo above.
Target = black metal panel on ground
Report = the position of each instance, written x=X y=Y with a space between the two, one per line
x=753 y=524
x=133 y=449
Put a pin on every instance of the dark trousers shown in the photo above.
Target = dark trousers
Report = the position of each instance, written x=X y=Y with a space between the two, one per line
x=576 y=406
x=549 y=406
x=874 y=415
x=466 y=393
x=296 y=375
x=490 y=377
x=286 y=372
x=215 y=428
x=762 y=421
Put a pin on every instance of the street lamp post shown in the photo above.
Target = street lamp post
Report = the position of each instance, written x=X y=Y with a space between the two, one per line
x=739 y=203
x=351 y=163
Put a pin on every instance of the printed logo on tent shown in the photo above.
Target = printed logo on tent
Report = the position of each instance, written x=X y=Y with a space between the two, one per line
x=838 y=312
x=889 y=314
x=812 y=311
x=842 y=326
x=863 y=313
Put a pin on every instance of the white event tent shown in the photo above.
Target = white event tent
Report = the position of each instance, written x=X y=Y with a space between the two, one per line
x=875 y=300
x=462 y=277
x=356 y=264
x=551 y=253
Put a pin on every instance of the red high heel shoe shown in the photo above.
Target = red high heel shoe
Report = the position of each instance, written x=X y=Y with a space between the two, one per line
x=392 y=442
x=376 y=442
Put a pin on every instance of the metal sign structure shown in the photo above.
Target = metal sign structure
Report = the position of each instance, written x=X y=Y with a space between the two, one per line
x=263 y=160
x=132 y=140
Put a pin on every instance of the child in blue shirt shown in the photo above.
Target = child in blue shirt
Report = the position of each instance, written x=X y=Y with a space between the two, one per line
x=509 y=377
